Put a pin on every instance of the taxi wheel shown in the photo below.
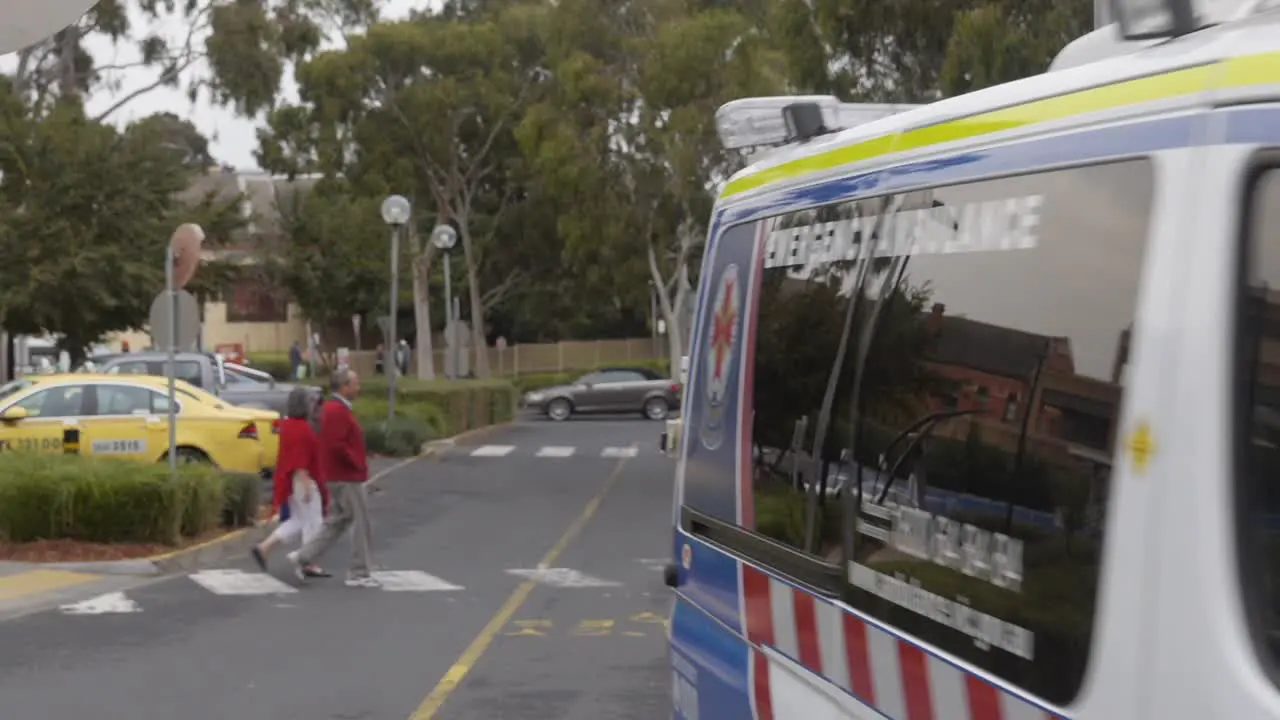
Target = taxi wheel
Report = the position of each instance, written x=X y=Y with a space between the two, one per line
x=192 y=456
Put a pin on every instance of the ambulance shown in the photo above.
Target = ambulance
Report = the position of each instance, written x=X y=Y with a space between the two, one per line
x=982 y=417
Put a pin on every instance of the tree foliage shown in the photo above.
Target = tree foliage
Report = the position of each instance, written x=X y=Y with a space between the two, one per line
x=85 y=213
x=572 y=144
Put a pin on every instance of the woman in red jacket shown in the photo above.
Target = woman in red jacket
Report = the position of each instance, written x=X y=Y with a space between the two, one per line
x=299 y=496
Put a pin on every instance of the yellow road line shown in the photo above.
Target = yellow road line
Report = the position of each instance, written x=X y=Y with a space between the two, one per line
x=456 y=674
x=33 y=582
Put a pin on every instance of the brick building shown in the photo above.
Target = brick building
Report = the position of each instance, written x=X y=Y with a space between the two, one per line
x=1002 y=372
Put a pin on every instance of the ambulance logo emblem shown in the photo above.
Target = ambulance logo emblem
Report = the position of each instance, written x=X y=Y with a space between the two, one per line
x=722 y=344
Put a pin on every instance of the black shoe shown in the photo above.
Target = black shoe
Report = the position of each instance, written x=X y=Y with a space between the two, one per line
x=316 y=572
x=259 y=558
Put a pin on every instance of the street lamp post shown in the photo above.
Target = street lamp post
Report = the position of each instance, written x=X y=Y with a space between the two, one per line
x=395 y=213
x=445 y=237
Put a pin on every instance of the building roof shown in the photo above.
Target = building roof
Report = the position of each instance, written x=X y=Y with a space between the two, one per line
x=262 y=196
x=987 y=348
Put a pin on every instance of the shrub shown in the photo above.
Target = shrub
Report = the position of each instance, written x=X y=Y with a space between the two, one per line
x=275 y=363
x=241 y=500
x=372 y=410
x=447 y=407
x=539 y=381
x=91 y=499
x=402 y=437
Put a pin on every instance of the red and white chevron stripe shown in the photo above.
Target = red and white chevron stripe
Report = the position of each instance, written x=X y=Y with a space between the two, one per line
x=897 y=678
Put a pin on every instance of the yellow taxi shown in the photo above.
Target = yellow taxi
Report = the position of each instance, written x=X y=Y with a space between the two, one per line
x=128 y=416
x=266 y=421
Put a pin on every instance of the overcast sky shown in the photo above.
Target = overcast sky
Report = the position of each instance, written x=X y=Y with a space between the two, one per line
x=233 y=138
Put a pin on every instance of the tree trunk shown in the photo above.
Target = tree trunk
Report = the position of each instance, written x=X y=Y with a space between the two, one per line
x=425 y=352
x=478 y=345
x=670 y=312
x=67 y=85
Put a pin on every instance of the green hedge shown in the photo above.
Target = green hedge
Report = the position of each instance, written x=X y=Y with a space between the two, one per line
x=108 y=500
x=277 y=365
x=444 y=407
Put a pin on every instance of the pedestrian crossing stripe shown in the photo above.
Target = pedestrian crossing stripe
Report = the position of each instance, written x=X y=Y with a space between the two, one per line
x=552 y=451
x=562 y=578
x=238 y=582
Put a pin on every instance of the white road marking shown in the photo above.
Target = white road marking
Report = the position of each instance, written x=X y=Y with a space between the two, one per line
x=620 y=452
x=116 y=602
x=411 y=581
x=563 y=578
x=236 y=582
x=654 y=563
x=555 y=451
x=492 y=450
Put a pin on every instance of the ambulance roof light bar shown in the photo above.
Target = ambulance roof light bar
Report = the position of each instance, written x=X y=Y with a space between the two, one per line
x=763 y=121
x=1163 y=19
x=1150 y=19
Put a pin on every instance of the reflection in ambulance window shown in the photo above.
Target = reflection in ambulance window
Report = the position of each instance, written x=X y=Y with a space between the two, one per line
x=1259 y=416
x=957 y=396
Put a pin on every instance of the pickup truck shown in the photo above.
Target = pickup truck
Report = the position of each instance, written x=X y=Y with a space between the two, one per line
x=236 y=384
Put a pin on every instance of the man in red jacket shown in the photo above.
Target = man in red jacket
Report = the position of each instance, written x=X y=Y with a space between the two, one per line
x=344 y=468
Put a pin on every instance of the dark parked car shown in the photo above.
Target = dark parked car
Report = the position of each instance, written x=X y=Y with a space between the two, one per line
x=611 y=390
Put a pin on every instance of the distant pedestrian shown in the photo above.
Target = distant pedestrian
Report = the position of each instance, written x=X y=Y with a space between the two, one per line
x=379 y=360
x=299 y=495
x=403 y=354
x=295 y=360
x=344 y=466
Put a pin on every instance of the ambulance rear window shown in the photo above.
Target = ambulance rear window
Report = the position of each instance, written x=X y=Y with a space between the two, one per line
x=928 y=401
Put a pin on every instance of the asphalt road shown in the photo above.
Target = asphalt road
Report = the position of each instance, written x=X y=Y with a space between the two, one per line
x=463 y=638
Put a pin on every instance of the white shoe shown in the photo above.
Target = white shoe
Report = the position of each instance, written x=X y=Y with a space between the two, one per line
x=295 y=565
x=362 y=581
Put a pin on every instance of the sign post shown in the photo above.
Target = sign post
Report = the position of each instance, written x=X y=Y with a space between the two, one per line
x=181 y=258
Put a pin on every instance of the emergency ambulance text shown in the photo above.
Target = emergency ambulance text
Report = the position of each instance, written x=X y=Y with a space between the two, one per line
x=985 y=226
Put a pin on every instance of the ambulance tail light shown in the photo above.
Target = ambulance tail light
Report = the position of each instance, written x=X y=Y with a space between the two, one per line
x=249 y=431
x=275 y=426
